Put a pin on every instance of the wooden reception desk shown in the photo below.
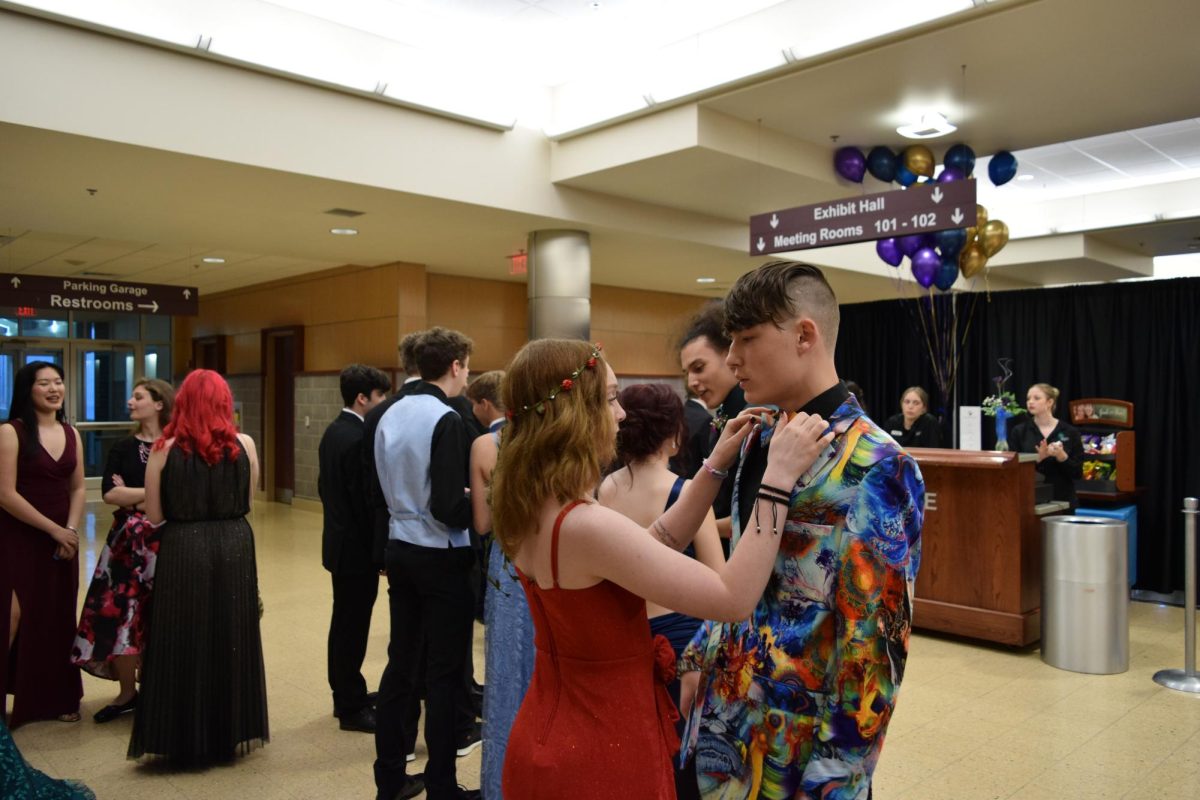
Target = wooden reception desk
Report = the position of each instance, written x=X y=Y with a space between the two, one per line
x=981 y=550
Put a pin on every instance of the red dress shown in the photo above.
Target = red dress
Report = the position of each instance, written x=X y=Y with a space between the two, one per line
x=38 y=672
x=597 y=721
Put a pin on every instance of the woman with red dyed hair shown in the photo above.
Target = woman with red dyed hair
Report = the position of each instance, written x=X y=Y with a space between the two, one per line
x=204 y=695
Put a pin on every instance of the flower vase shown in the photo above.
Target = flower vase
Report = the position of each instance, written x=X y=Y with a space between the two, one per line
x=1002 y=416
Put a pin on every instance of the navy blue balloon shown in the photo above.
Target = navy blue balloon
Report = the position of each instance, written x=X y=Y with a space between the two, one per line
x=903 y=176
x=1002 y=168
x=962 y=158
x=881 y=163
x=889 y=251
x=946 y=273
x=950 y=242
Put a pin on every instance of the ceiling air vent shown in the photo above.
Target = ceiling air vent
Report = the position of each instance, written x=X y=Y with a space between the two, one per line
x=345 y=212
x=99 y=274
x=74 y=262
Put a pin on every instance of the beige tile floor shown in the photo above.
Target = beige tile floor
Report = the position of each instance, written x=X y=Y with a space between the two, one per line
x=973 y=722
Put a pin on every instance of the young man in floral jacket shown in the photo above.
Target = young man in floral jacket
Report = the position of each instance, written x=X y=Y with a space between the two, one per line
x=795 y=701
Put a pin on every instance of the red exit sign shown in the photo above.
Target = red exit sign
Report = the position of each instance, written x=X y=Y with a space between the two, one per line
x=26 y=311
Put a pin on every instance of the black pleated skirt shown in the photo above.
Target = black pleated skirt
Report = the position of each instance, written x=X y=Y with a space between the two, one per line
x=203 y=696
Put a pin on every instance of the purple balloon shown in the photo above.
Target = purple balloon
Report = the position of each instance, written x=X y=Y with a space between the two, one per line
x=889 y=251
x=949 y=174
x=850 y=163
x=912 y=243
x=925 y=263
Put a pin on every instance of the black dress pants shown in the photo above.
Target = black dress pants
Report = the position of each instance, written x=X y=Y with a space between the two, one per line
x=432 y=603
x=353 y=599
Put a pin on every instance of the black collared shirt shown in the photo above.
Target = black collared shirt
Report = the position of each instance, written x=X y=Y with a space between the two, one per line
x=754 y=464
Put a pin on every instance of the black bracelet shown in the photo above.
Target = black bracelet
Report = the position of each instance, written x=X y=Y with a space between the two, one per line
x=770 y=498
x=775 y=503
x=763 y=487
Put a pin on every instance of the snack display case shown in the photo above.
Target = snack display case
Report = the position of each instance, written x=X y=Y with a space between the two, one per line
x=1106 y=427
x=1108 y=487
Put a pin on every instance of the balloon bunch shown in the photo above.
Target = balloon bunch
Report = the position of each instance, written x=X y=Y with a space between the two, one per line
x=937 y=258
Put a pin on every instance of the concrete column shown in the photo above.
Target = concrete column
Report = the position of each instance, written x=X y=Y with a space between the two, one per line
x=560 y=285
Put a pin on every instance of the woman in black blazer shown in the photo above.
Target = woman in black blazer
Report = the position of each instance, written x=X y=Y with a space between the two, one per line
x=1058 y=445
x=914 y=426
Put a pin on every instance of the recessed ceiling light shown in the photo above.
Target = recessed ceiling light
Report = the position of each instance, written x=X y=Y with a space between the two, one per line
x=706 y=280
x=344 y=231
x=1025 y=177
x=930 y=126
x=213 y=260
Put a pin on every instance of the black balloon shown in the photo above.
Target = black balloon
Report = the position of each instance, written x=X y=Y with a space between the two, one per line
x=881 y=163
x=1002 y=168
x=962 y=158
x=950 y=242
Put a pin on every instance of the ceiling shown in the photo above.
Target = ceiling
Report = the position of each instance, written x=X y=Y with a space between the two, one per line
x=1038 y=74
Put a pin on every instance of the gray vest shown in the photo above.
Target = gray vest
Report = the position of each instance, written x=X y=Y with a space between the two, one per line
x=403 y=442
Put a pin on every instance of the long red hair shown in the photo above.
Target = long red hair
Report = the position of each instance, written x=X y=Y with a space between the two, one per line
x=202 y=419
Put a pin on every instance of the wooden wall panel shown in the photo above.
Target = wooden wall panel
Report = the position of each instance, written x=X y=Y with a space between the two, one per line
x=492 y=313
x=360 y=314
x=639 y=329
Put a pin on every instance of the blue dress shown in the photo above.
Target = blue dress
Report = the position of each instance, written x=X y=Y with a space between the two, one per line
x=19 y=781
x=508 y=642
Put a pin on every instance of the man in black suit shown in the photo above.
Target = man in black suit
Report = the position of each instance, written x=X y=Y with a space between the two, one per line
x=347 y=543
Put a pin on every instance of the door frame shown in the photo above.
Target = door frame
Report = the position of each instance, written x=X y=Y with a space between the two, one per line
x=278 y=445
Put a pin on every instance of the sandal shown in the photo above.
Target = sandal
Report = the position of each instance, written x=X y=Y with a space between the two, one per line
x=71 y=717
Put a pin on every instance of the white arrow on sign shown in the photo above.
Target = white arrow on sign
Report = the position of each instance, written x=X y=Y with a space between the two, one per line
x=937 y=194
x=153 y=306
x=774 y=221
x=16 y=282
x=760 y=244
x=957 y=216
x=187 y=294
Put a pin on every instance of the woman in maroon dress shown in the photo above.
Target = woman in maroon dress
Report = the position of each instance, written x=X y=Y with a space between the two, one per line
x=597 y=721
x=41 y=504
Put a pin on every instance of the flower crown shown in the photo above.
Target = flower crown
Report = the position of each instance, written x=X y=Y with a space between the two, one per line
x=565 y=386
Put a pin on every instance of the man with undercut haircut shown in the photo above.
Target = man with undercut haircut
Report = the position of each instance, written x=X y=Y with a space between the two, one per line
x=794 y=702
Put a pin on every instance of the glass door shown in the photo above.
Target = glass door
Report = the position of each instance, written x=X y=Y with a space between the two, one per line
x=100 y=382
x=16 y=353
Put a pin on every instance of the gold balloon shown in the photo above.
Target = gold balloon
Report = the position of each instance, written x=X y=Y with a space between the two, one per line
x=981 y=217
x=918 y=159
x=971 y=234
x=972 y=260
x=993 y=237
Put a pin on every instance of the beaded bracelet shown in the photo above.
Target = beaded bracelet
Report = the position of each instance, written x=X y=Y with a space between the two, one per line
x=719 y=474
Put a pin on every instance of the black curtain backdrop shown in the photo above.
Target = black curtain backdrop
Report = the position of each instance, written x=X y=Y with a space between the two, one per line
x=1137 y=341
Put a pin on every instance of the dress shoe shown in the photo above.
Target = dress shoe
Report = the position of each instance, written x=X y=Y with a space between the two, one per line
x=112 y=711
x=413 y=786
x=372 y=698
x=362 y=720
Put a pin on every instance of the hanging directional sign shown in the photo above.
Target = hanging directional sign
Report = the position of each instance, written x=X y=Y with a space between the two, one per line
x=89 y=294
x=917 y=209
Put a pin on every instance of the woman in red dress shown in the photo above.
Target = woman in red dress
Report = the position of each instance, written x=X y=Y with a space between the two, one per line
x=41 y=504
x=597 y=721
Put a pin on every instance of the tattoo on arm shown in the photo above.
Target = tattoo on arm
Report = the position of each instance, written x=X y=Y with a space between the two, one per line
x=664 y=535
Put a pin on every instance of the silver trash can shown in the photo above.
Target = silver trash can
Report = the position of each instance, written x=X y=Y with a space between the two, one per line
x=1085 y=594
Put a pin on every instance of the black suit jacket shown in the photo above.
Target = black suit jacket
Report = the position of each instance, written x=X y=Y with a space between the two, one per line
x=346 y=538
x=694 y=448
